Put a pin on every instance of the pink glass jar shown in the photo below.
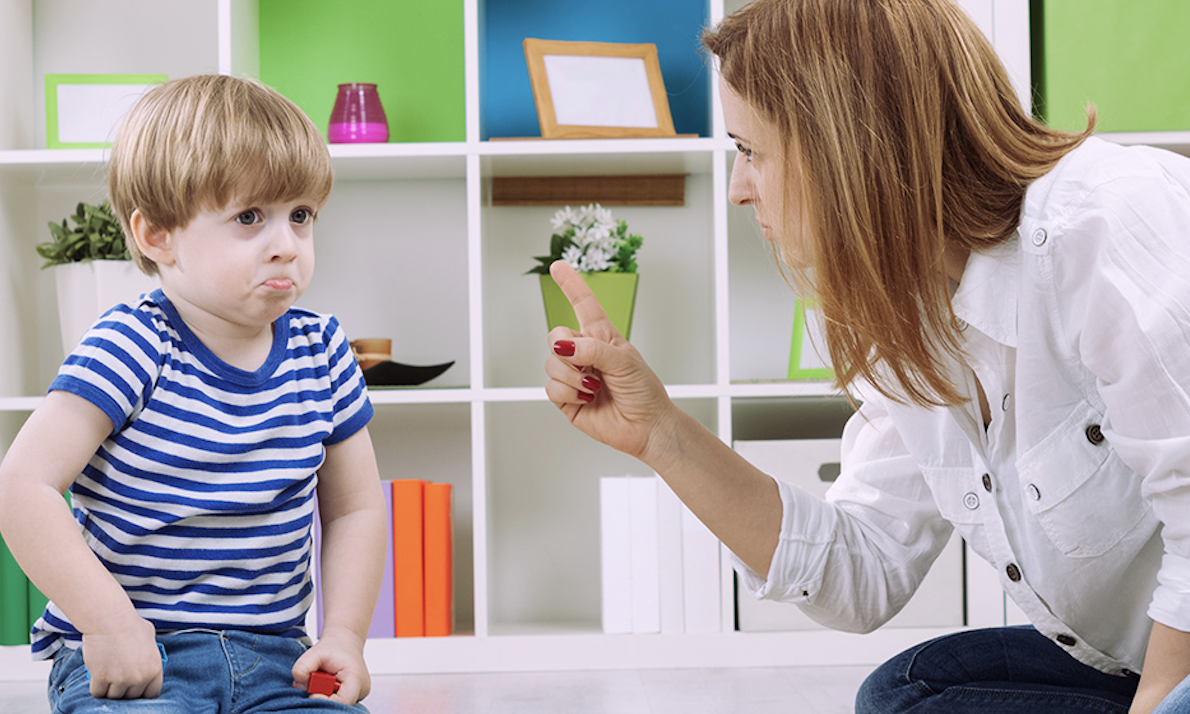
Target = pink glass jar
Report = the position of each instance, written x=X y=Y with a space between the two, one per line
x=357 y=117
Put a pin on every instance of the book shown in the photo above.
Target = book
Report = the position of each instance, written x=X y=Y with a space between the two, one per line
x=384 y=618
x=669 y=559
x=615 y=548
x=439 y=560
x=14 y=600
x=408 y=557
x=646 y=555
x=701 y=584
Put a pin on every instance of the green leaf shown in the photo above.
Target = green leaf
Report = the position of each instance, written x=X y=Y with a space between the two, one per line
x=96 y=235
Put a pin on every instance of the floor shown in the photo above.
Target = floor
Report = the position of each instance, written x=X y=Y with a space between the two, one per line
x=788 y=690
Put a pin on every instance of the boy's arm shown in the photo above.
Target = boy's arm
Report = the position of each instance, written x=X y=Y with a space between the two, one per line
x=49 y=452
x=351 y=507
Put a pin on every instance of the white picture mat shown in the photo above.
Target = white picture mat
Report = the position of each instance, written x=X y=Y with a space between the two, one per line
x=600 y=91
x=90 y=113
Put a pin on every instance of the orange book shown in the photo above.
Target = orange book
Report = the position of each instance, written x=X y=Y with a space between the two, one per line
x=408 y=558
x=439 y=560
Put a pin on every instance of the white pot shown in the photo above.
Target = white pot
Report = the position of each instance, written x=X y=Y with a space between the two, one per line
x=87 y=290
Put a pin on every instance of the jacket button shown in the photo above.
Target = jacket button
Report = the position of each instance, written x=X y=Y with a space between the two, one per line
x=1013 y=572
x=971 y=501
x=1067 y=640
x=1039 y=237
x=1033 y=491
x=1095 y=434
x=987 y=482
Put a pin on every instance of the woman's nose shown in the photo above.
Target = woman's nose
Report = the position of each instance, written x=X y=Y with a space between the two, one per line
x=739 y=191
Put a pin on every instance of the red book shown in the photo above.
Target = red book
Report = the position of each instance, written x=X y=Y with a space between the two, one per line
x=408 y=558
x=439 y=577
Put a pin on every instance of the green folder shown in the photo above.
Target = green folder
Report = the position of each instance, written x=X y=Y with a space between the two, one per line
x=14 y=600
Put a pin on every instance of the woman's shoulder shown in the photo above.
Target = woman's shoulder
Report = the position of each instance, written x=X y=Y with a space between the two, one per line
x=1104 y=176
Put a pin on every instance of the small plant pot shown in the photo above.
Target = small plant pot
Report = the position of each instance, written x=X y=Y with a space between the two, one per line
x=616 y=292
x=87 y=290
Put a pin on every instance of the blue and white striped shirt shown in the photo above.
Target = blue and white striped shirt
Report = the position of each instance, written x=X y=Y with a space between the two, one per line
x=200 y=503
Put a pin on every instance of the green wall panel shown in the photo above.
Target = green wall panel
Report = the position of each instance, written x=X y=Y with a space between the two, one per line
x=1131 y=59
x=411 y=49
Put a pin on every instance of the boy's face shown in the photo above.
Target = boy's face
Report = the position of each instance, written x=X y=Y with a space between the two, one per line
x=243 y=265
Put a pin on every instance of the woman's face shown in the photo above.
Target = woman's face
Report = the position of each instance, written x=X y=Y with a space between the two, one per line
x=757 y=175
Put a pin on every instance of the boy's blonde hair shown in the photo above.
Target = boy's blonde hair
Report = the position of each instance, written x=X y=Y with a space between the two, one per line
x=902 y=135
x=197 y=143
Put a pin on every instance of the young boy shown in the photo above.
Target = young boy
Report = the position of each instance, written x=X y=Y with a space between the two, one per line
x=194 y=428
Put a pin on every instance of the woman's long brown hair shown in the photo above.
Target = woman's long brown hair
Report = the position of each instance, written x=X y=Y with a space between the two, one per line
x=903 y=136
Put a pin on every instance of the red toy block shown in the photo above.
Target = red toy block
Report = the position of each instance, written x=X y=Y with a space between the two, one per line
x=322 y=683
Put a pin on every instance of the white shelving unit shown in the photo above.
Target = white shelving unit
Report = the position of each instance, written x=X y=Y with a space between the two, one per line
x=410 y=248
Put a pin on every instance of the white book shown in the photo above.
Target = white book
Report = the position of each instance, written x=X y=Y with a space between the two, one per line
x=700 y=576
x=646 y=585
x=615 y=542
x=669 y=546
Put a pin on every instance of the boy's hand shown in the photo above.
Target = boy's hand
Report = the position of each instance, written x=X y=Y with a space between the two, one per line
x=123 y=660
x=339 y=652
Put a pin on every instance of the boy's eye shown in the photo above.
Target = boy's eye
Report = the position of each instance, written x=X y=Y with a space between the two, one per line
x=248 y=218
x=301 y=215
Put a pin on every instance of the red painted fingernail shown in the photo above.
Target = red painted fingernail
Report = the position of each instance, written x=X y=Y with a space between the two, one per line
x=586 y=397
x=564 y=348
x=592 y=384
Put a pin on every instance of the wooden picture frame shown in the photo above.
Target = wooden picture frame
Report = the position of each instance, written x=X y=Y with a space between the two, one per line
x=83 y=111
x=597 y=90
x=805 y=361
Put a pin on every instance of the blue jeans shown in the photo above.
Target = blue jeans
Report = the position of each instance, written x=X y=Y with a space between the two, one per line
x=205 y=672
x=1177 y=701
x=1010 y=669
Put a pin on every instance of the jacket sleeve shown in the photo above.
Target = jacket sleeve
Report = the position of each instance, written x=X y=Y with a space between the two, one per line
x=852 y=561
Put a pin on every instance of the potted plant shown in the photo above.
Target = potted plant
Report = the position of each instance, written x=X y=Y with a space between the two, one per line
x=92 y=267
x=602 y=250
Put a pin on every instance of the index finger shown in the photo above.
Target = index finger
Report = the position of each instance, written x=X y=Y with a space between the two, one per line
x=592 y=320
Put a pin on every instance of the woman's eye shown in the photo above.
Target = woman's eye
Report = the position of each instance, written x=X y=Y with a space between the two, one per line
x=248 y=218
x=302 y=215
x=745 y=151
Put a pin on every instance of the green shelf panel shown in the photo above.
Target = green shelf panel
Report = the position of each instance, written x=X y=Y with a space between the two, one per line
x=1131 y=59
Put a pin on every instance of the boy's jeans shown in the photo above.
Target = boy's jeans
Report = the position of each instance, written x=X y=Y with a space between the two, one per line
x=993 y=671
x=205 y=671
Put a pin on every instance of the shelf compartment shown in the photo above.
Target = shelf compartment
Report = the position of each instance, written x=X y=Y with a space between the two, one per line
x=432 y=442
x=412 y=50
x=673 y=325
x=507 y=105
x=543 y=518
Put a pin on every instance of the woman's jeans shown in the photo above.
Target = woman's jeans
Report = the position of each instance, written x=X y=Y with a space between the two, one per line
x=205 y=671
x=1010 y=669
x=1177 y=701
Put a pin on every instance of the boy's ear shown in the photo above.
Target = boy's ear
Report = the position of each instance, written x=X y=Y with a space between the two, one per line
x=153 y=242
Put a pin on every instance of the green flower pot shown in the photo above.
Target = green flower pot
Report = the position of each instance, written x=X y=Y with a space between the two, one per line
x=615 y=291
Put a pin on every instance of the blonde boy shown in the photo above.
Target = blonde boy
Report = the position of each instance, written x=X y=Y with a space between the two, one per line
x=194 y=428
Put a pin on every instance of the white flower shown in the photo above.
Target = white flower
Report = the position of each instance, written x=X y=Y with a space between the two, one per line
x=596 y=260
x=562 y=219
x=574 y=257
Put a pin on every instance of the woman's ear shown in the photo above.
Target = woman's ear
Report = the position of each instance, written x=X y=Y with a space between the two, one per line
x=153 y=242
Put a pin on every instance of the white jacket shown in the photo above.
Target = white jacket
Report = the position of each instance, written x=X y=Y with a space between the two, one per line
x=1079 y=490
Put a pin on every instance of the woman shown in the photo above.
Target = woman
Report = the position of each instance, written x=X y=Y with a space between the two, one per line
x=1010 y=304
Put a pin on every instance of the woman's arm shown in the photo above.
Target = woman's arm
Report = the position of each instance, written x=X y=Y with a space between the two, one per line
x=1167 y=663
x=47 y=455
x=351 y=508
